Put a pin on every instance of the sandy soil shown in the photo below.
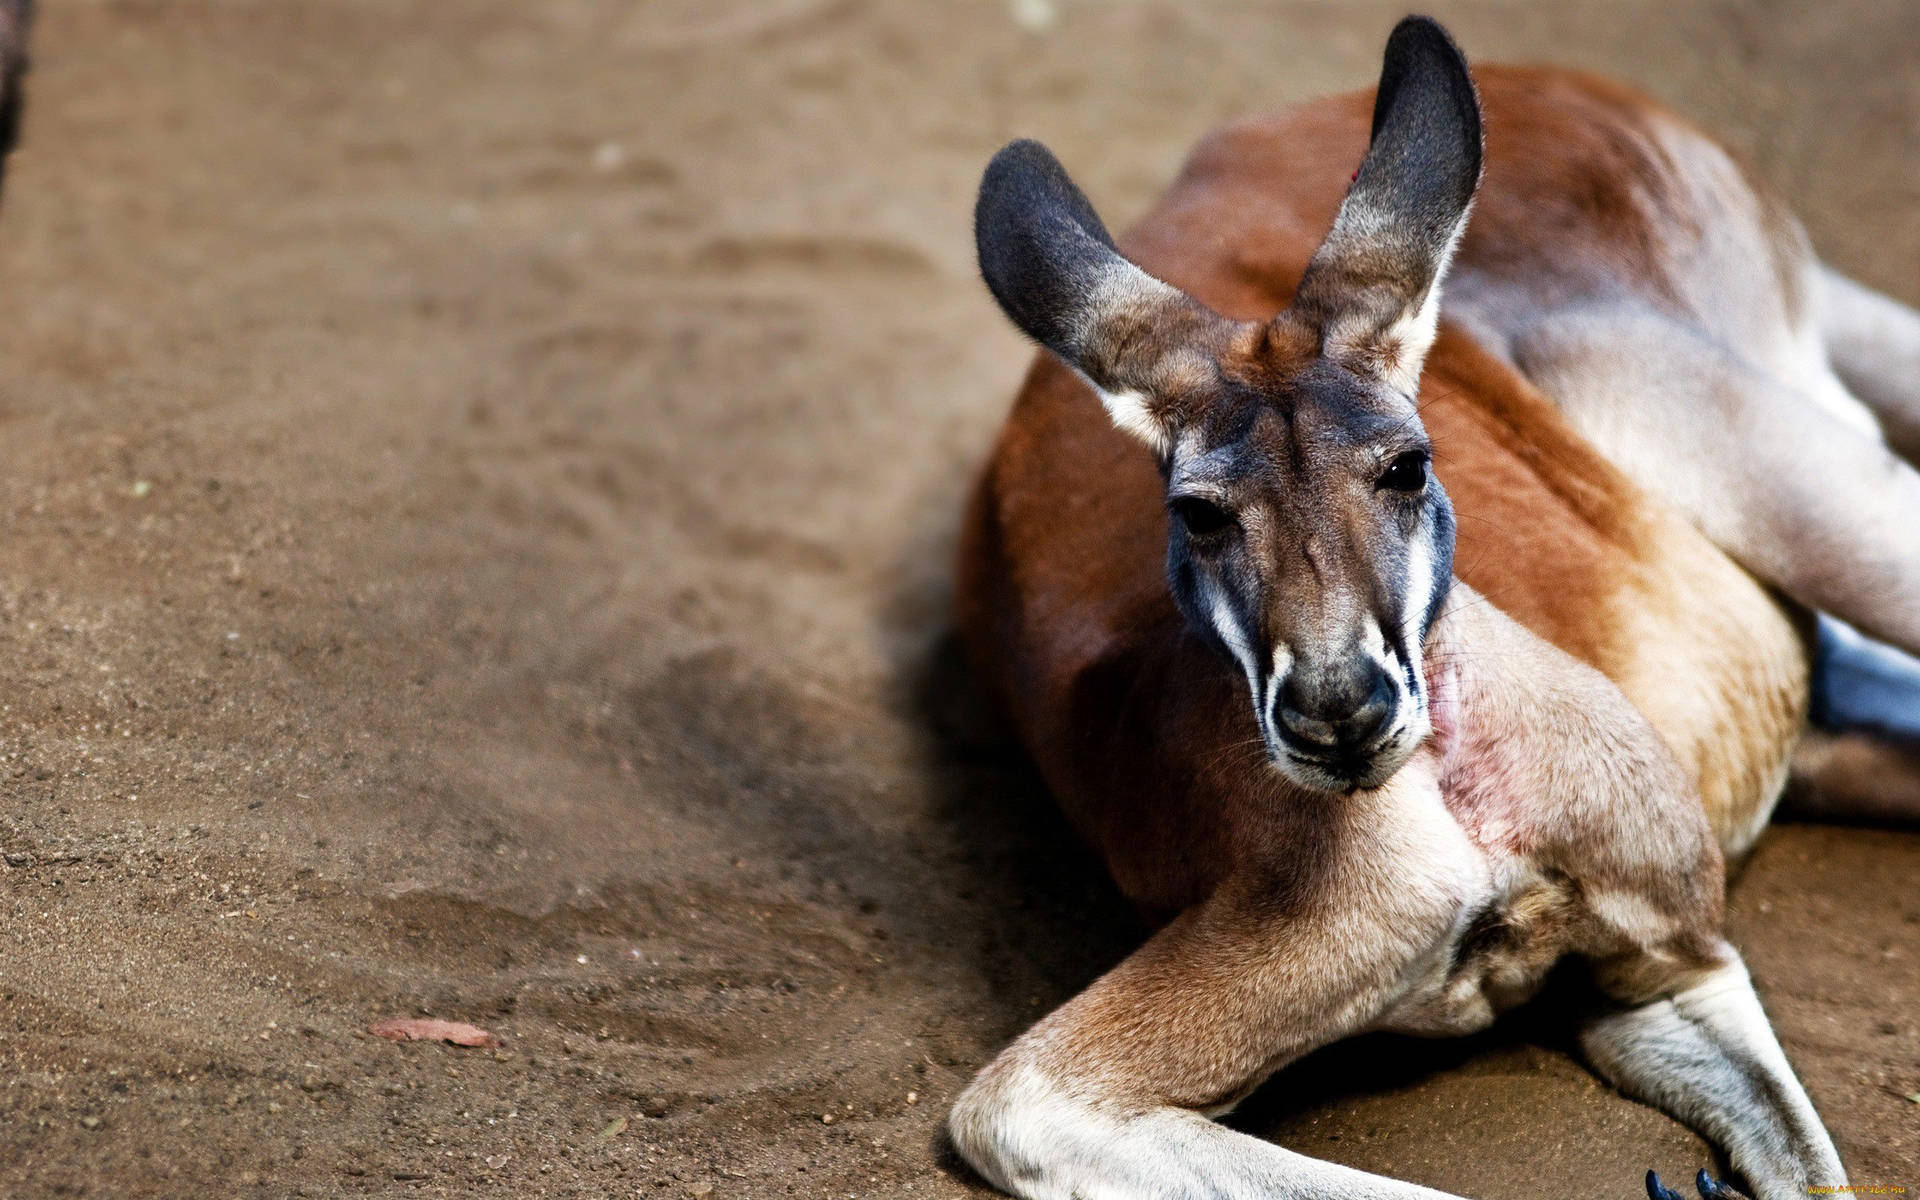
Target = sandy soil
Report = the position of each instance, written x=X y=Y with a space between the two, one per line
x=479 y=485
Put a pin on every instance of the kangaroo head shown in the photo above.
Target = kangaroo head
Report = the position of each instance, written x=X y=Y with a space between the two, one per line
x=1307 y=534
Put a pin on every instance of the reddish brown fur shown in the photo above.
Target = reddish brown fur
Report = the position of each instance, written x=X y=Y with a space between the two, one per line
x=1140 y=730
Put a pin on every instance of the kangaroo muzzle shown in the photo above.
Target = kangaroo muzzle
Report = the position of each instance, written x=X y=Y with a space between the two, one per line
x=1336 y=718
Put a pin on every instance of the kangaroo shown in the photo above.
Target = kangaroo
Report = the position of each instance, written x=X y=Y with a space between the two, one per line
x=1375 y=752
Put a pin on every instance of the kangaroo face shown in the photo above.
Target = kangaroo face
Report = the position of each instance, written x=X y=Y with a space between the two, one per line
x=1305 y=532
x=1307 y=535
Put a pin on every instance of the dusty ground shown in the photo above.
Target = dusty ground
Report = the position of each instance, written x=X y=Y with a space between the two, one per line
x=479 y=483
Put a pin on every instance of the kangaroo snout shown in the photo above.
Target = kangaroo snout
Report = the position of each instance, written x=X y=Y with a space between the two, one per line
x=1335 y=716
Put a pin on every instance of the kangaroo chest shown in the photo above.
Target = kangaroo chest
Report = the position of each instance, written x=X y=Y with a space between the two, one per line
x=1512 y=919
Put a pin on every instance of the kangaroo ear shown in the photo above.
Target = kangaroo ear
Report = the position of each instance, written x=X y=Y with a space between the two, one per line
x=1146 y=346
x=1373 y=287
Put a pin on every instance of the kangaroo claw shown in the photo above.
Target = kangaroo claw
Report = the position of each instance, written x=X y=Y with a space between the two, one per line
x=1712 y=1189
x=1659 y=1191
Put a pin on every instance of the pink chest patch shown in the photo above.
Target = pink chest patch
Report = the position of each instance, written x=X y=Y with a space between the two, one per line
x=1480 y=780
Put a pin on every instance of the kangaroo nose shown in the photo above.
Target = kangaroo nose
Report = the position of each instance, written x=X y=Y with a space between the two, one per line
x=1337 y=715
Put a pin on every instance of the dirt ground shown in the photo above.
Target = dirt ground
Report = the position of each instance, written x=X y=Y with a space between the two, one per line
x=479 y=484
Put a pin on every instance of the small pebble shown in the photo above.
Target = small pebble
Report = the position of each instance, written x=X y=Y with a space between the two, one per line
x=1034 y=16
x=609 y=156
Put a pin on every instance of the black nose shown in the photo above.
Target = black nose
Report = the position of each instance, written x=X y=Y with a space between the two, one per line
x=1333 y=714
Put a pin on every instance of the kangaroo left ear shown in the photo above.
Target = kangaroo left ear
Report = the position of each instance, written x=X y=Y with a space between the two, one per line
x=1372 y=290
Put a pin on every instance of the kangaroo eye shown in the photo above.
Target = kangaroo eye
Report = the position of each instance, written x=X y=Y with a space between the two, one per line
x=1407 y=472
x=1203 y=518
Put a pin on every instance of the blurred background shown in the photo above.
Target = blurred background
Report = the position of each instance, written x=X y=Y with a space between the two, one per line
x=480 y=480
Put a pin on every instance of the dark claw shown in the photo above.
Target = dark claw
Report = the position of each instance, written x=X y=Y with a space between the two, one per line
x=1659 y=1191
x=1712 y=1189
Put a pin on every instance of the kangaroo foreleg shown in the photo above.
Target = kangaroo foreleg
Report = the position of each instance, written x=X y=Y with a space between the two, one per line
x=1706 y=1054
x=1107 y=1097
x=1036 y=1137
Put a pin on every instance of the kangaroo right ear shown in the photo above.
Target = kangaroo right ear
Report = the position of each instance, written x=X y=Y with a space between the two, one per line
x=1144 y=345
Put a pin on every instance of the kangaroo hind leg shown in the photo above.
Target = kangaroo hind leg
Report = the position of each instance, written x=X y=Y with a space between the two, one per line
x=1790 y=489
x=1873 y=344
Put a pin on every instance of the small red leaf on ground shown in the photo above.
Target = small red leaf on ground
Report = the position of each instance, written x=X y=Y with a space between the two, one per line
x=429 y=1029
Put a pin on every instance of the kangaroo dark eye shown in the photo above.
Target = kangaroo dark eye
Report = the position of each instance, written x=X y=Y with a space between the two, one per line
x=1407 y=472
x=1203 y=518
